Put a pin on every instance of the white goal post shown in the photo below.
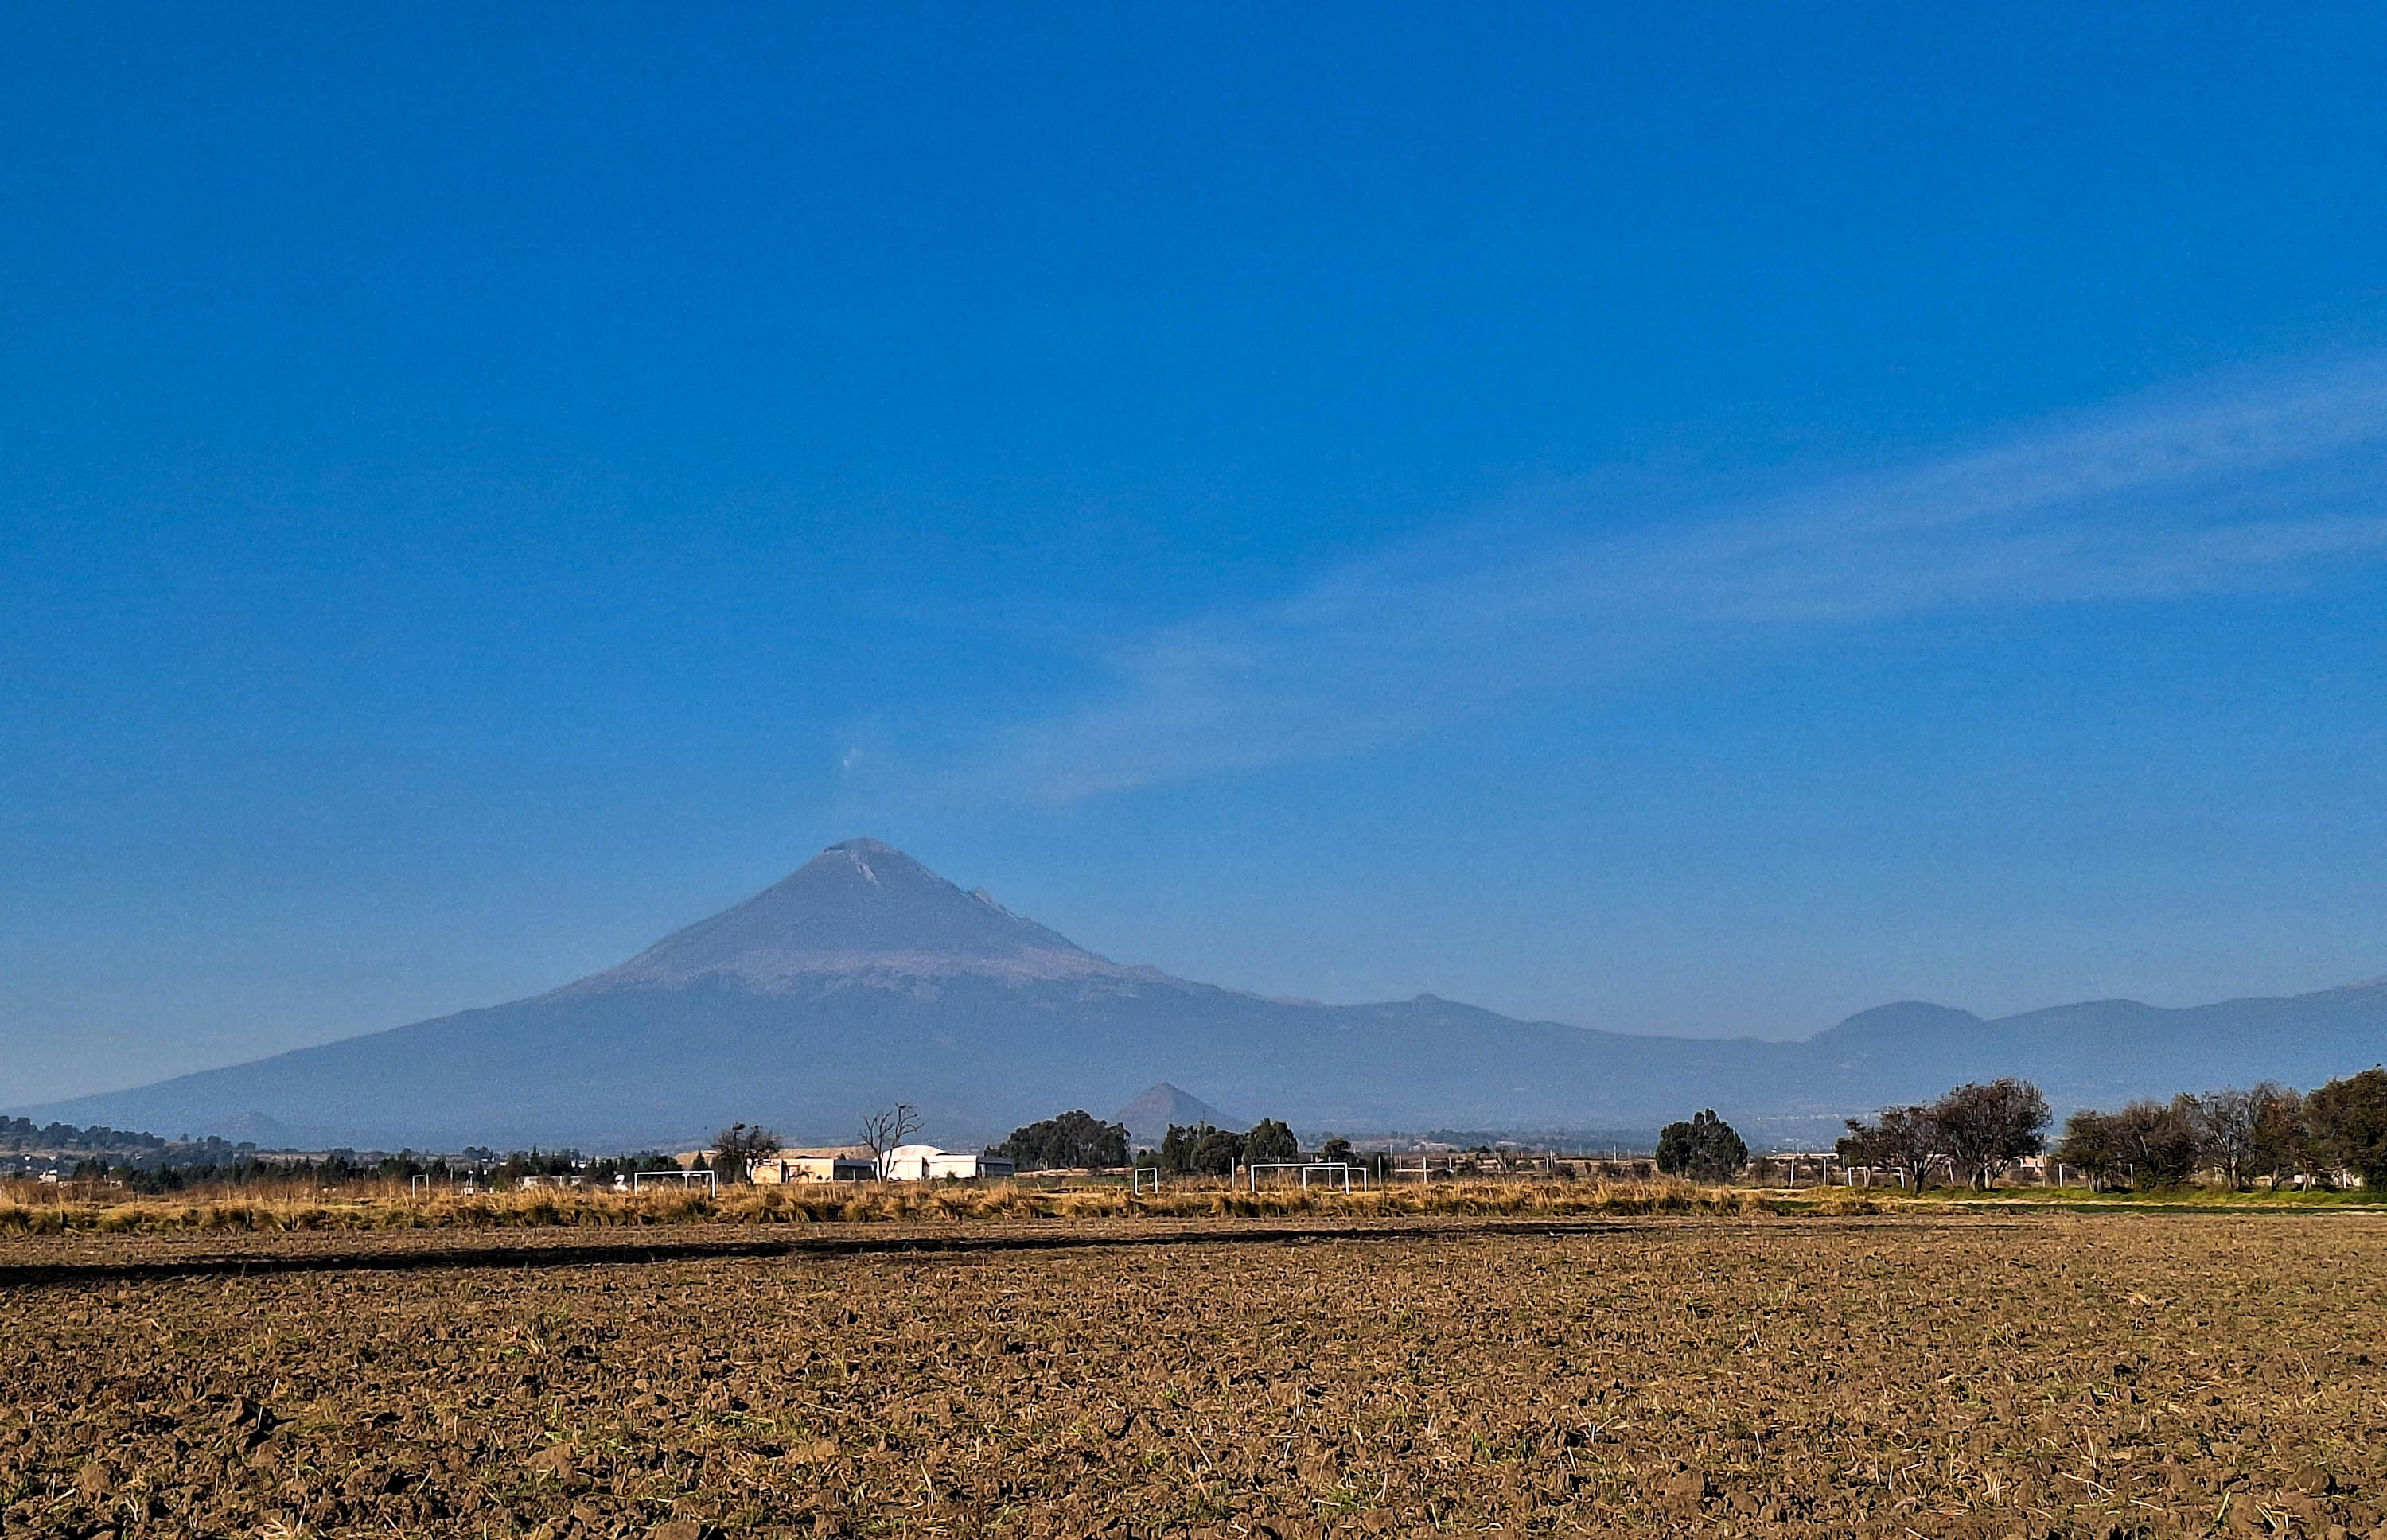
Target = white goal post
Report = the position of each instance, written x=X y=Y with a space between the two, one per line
x=1329 y=1171
x=638 y=1180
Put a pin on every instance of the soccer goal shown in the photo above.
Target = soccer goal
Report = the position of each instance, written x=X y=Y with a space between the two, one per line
x=1329 y=1172
x=1136 y=1183
x=638 y=1180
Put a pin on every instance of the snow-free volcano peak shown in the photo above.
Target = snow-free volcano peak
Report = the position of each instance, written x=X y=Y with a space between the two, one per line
x=858 y=907
x=1160 y=1107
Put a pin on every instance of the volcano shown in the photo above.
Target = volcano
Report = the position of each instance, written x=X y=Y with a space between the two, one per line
x=864 y=979
x=858 y=910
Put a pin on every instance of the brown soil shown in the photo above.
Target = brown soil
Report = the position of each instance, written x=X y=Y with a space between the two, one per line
x=2110 y=1375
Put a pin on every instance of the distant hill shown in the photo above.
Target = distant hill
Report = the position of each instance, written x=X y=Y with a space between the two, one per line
x=1149 y=1117
x=864 y=979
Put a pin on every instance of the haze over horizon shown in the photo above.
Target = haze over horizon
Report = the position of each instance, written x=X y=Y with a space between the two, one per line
x=1699 y=523
x=864 y=978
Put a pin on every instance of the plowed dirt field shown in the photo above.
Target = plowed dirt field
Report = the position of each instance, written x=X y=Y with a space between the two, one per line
x=2107 y=1375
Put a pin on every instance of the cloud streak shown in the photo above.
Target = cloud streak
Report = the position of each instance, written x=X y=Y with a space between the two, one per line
x=2146 y=501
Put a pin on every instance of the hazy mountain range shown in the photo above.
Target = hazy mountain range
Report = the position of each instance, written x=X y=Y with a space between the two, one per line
x=864 y=979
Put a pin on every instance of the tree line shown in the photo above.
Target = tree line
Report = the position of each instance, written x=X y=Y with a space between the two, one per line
x=210 y=1164
x=2269 y=1134
x=19 y=1134
x=1979 y=1130
x=1201 y=1150
x=1072 y=1140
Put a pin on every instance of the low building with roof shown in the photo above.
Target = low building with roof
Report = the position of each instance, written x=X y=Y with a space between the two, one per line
x=927 y=1163
x=790 y=1168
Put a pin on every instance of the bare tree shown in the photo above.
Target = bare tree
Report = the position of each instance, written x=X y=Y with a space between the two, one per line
x=884 y=1131
x=739 y=1147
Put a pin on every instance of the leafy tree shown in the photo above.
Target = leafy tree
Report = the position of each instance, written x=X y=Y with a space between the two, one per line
x=2157 y=1141
x=1177 y=1148
x=1983 y=1128
x=2281 y=1144
x=2224 y=1121
x=1335 y=1148
x=22 y=1133
x=2251 y=1134
x=739 y=1147
x=1200 y=1150
x=1704 y=1149
x=1905 y=1140
x=1270 y=1140
x=2092 y=1141
x=2348 y=1121
x=1215 y=1153
x=1072 y=1139
x=535 y=1162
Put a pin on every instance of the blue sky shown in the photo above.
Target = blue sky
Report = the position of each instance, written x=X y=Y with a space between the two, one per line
x=1692 y=519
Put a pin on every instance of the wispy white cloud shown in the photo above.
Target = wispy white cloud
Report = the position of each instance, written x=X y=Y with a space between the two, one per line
x=2148 y=499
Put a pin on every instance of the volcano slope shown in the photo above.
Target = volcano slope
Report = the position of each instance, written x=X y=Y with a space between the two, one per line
x=864 y=979
x=2091 y=1377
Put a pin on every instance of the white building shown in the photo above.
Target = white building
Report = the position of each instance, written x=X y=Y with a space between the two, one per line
x=927 y=1163
x=790 y=1170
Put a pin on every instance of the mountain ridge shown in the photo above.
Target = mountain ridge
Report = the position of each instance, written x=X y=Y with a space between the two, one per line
x=862 y=978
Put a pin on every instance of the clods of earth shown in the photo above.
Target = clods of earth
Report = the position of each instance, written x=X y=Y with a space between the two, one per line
x=2099 y=1376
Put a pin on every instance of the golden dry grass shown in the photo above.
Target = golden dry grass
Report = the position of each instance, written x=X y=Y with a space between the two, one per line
x=892 y=1201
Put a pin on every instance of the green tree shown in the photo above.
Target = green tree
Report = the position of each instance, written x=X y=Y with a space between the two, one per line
x=2092 y=1143
x=1704 y=1149
x=1215 y=1153
x=1335 y=1148
x=2281 y=1144
x=2158 y=1142
x=1200 y=1150
x=1905 y=1140
x=1270 y=1140
x=1985 y=1127
x=2224 y=1121
x=1177 y=1148
x=2348 y=1120
x=1073 y=1139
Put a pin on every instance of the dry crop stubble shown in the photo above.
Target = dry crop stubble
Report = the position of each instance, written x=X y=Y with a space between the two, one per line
x=2091 y=1376
x=26 y=1210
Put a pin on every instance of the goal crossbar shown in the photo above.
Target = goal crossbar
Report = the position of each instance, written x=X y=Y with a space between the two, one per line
x=638 y=1180
x=1329 y=1171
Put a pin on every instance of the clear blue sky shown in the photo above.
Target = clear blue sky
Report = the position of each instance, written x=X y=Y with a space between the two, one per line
x=1689 y=519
